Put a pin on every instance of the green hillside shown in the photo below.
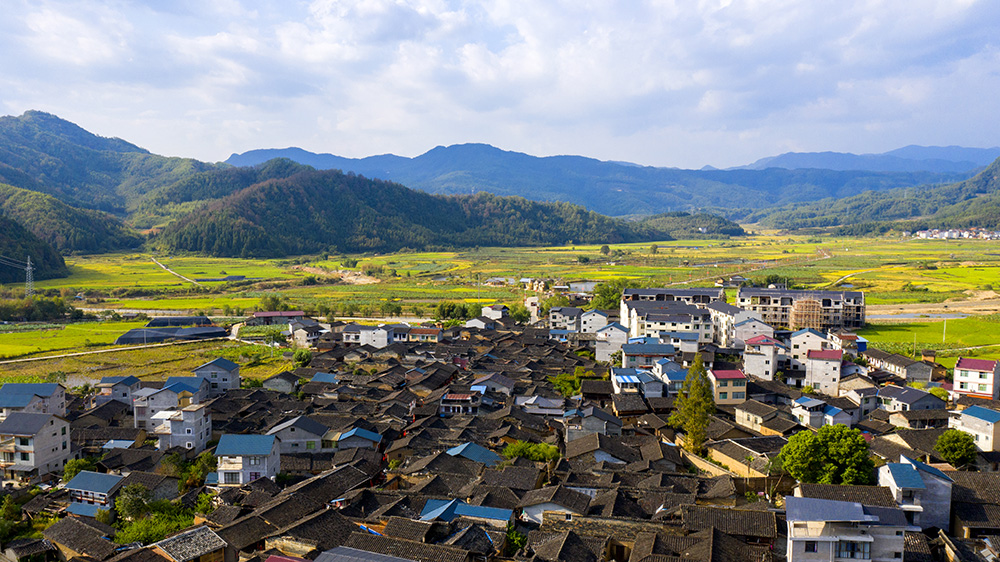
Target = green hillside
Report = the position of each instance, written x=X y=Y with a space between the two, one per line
x=66 y=228
x=17 y=243
x=685 y=225
x=316 y=211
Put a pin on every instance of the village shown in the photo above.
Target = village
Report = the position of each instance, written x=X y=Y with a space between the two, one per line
x=550 y=440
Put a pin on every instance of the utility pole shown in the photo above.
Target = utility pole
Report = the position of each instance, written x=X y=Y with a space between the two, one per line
x=29 y=280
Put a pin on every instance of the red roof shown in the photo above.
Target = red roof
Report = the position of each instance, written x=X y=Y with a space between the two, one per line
x=278 y=314
x=728 y=374
x=458 y=397
x=762 y=340
x=975 y=364
x=828 y=354
x=425 y=330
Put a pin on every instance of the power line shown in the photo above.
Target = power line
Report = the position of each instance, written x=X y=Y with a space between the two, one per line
x=29 y=272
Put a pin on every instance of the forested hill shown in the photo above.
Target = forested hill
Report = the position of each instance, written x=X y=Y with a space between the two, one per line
x=17 y=243
x=684 y=225
x=66 y=228
x=42 y=152
x=610 y=188
x=971 y=203
x=330 y=211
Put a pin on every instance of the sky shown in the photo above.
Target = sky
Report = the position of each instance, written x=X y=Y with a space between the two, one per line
x=680 y=83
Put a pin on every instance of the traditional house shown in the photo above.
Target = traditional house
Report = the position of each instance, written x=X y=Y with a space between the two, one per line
x=189 y=427
x=90 y=491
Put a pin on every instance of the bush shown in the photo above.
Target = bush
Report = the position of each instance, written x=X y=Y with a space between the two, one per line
x=531 y=451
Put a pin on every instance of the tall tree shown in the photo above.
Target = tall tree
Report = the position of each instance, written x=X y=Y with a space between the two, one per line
x=694 y=406
x=835 y=454
x=956 y=447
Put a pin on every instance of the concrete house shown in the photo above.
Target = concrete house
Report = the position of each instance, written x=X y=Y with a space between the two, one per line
x=975 y=377
x=592 y=321
x=565 y=318
x=645 y=355
x=610 y=340
x=982 y=423
x=725 y=317
x=221 y=374
x=730 y=386
x=802 y=342
x=625 y=381
x=923 y=492
x=33 y=445
x=147 y=402
x=823 y=370
x=815 y=413
x=672 y=375
x=750 y=328
x=301 y=435
x=356 y=438
x=189 y=427
x=579 y=422
x=245 y=458
x=39 y=398
x=90 y=491
x=831 y=530
x=118 y=388
x=763 y=357
x=495 y=311
x=893 y=398
x=819 y=310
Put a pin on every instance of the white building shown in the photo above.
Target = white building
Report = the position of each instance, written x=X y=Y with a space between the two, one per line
x=222 y=375
x=302 y=435
x=977 y=377
x=245 y=458
x=189 y=427
x=147 y=402
x=33 y=445
x=763 y=357
x=982 y=423
x=830 y=530
x=38 y=398
x=823 y=370
x=592 y=321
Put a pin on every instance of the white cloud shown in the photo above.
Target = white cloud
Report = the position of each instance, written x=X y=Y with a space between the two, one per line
x=662 y=82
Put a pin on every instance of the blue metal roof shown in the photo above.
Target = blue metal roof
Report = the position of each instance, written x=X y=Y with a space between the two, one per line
x=475 y=452
x=682 y=336
x=236 y=445
x=84 y=509
x=363 y=433
x=905 y=476
x=325 y=377
x=831 y=410
x=220 y=362
x=627 y=379
x=807 y=402
x=118 y=444
x=127 y=380
x=18 y=395
x=812 y=509
x=448 y=510
x=928 y=469
x=648 y=349
x=96 y=482
x=985 y=414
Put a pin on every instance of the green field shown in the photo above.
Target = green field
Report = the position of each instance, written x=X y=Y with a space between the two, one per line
x=67 y=338
x=975 y=336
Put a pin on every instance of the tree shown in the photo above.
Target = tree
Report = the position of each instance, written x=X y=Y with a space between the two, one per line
x=74 y=466
x=9 y=510
x=653 y=249
x=605 y=250
x=532 y=451
x=835 y=454
x=516 y=540
x=104 y=516
x=583 y=259
x=132 y=502
x=694 y=405
x=939 y=392
x=957 y=447
x=608 y=295
x=553 y=301
x=519 y=313
x=302 y=357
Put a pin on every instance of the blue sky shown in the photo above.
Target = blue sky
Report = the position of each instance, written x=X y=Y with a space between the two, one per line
x=667 y=83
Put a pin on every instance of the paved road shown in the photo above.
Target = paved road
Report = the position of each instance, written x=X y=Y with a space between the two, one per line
x=172 y=272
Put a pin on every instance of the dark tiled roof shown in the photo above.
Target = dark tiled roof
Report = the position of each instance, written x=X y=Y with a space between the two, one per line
x=867 y=495
x=81 y=537
x=246 y=532
x=325 y=529
x=597 y=441
x=191 y=544
x=408 y=529
x=559 y=495
x=730 y=521
x=408 y=550
x=916 y=549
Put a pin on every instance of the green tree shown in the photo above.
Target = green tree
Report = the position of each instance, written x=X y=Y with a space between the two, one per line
x=532 y=451
x=553 y=301
x=132 y=502
x=694 y=406
x=836 y=454
x=653 y=249
x=74 y=466
x=104 y=516
x=957 y=447
x=583 y=259
x=9 y=510
x=205 y=505
x=302 y=357
x=608 y=295
x=519 y=313
x=939 y=392
x=516 y=540
x=605 y=250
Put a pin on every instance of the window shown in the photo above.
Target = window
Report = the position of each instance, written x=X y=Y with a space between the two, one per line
x=963 y=385
x=723 y=395
x=64 y=445
x=188 y=431
x=897 y=555
x=855 y=550
x=253 y=461
x=189 y=445
x=25 y=456
x=64 y=430
x=24 y=441
x=723 y=383
x=310 y=444
x=811 y=546
x=231 y=477
x=982 y=388
x=982 y=375
x=739 y=395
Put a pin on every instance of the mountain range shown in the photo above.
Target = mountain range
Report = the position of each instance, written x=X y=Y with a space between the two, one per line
x=75 y=191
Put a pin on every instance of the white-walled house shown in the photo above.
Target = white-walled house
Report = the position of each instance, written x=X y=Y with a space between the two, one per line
x=763 y=357
x=38 y=398
x=922 y=491
x=301 y=435
x=977 y=377
x=982 y=423
x=830 y=530
x=222 y=375
x=592 y=321
x=33 y=445
x=118 y=388
x=823 y=370
x=610 y=340
x=189 y=427
x=147 y=402
x=245 y=458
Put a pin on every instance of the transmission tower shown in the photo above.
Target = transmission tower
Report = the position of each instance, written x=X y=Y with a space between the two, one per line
x=29 y=279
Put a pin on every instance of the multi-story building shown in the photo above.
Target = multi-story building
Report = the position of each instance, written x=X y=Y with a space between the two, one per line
x=147 y=402
x=222 y=375
x=833 y=530
x=565 y=318
x=245 y=458
x=91 y=491
x=302 y=435
x=729 y=386
x=189 y=427
x=725 y=317
x=118 y=388
x=39 y=398
x=977 y=377
x=921 y=491
x=696 y=296
x=820 y=310
x=823 y=370
x=650 y=319
x=764 y=357
x=982 y=423
x=592 y=321
x=33 y=445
